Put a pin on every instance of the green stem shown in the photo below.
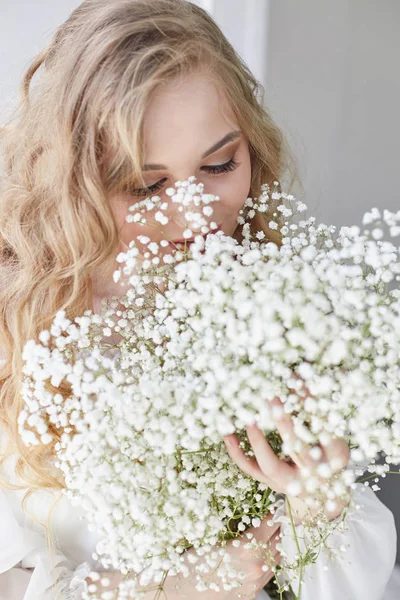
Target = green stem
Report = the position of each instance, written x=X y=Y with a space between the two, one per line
x=297 y=545
x=376 y=475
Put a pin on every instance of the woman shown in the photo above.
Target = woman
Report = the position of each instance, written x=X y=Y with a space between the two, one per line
x=133 y=96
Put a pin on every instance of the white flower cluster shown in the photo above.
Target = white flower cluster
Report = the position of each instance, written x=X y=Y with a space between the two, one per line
x=207 y=336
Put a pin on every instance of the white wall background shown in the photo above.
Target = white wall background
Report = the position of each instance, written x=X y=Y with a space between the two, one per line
x=25 y=27
x=245 y=23
x=333 y=81
x=331 y=69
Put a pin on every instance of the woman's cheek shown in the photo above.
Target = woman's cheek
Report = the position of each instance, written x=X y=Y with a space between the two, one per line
x=235 y=190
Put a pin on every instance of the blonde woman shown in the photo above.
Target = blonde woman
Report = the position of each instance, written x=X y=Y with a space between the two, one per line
x=131 y=96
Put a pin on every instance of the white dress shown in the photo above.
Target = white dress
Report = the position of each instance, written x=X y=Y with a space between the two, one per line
x=26 y=565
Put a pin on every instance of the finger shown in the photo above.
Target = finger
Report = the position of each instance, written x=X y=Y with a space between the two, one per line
x=274 y=541
x=266 y=531
x=248 y=465
x=267 y=536
x=265 y=552
x=304 y=455
x=327 y=452
x=337 y=454
x=304 y=390
x=272 y=556
x=274 y=468
x=268 y=573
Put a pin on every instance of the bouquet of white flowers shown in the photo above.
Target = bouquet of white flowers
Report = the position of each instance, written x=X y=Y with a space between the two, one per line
x=208 y=337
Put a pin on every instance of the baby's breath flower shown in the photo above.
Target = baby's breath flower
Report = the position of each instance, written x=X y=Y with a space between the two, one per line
x=206 y=336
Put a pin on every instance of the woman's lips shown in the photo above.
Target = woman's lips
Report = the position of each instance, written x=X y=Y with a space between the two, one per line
x=190 y=240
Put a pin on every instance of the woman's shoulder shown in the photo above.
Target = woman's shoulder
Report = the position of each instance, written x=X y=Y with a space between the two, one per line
x=27 y=567
x=32 y=513
x=39 y=501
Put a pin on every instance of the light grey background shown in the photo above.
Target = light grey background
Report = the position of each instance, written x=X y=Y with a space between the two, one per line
x=331 y=69
x=333 y=83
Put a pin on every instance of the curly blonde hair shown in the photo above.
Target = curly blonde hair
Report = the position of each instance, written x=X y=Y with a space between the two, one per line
x=94 y=82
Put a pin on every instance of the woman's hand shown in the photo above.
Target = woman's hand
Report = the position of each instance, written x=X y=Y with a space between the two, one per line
x=250 y=562
x=104 y=581
x=316 y=462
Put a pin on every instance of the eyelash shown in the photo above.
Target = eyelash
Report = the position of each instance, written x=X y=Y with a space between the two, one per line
x=215 y=170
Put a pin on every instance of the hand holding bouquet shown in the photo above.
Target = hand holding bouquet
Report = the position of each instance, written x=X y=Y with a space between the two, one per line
x=287 y=478
x=292 y=352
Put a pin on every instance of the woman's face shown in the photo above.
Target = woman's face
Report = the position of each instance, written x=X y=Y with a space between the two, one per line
x=183 y=124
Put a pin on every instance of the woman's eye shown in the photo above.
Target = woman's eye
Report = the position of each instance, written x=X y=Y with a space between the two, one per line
x=231 y=165
x=148 y=191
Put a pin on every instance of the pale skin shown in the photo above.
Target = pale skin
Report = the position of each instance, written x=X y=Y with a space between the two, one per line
x=183 y=120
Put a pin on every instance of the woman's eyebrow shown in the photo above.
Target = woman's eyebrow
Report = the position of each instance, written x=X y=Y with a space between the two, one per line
x=229 y=137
